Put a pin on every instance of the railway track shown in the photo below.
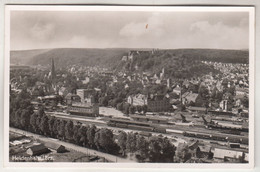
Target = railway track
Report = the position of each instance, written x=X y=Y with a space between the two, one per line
x=170 y=131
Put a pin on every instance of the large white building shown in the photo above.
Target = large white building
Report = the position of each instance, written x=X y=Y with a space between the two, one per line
x=137 y=100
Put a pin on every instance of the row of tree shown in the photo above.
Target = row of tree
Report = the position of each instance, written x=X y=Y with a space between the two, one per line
x=154 y=149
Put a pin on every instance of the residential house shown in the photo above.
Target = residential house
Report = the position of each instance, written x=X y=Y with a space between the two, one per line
x=83 y=109
x=55 y=146
x=70 y=98
x=186 y=84
x=126 y=86
x=241 y=91
x=226 y=153
x=193 y=147
x=189 y=97
x=238 y=103
x=177 y=90
x=124 y=58
x=63 y=91
x=205 y=152
x=87 y=79
x=158 y=81
x=37 y=150
x=86 y=95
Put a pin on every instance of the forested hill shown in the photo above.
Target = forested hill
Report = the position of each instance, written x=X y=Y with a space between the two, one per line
x=112 y=57
x=69 y=56
x=180 y=62
x=78 y=56
x=24 y=57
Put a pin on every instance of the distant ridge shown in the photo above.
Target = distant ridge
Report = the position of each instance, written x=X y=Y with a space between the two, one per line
x=79 y=56
x=111 y=57
x=23 y=57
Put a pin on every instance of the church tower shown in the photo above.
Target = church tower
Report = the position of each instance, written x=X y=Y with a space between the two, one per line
x=53 y=74
x=53 y=78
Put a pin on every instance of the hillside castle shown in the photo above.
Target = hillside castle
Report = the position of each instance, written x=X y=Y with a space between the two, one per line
x=134 y=53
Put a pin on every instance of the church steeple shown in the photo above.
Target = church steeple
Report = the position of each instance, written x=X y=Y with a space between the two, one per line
x=53 y=74
x=53 y=77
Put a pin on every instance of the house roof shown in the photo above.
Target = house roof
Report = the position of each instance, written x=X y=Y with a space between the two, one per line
x=69 y=95
x=140 y=96
x=62 y=89
x=157 y=97
x=195 y=82
x=37 y=148
x=205 y=148
x=194 y=145
x=149 y=117
x=177 y=89
x=242 y=89
x=174 y=107
x=192 y=97
x=174 y=101
x=196 y=108
x=185 y=94
x=53 y=145
x=239 y=96
x=185 y=83
x=221 y=153
x=50 y=97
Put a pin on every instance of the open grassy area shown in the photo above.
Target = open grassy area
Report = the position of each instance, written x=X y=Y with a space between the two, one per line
x=74 y=156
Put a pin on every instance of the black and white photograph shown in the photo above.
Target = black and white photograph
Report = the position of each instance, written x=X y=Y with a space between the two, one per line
x=129 y=85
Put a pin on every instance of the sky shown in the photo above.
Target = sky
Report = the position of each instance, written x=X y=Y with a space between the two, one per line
x=126 y=29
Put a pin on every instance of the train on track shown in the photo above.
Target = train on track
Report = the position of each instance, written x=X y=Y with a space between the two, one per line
x=215 y=125
x=233 y=139
x=135 y=125
x=149 y=127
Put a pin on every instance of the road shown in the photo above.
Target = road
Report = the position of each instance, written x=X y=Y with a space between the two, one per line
x=71 y=146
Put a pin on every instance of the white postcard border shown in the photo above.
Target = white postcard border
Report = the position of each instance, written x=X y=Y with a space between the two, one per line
x=250 y=10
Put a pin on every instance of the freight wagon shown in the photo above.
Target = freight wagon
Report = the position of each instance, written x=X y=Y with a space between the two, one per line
x=233 y=139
